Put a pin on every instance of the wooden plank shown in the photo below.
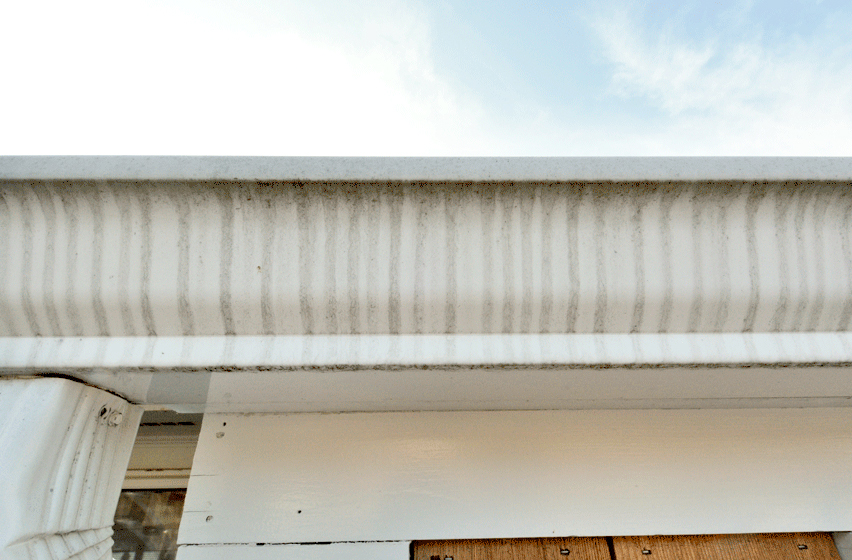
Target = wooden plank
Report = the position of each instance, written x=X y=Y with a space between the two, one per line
x=778 y=546
x=551 y=548
x=301 y=478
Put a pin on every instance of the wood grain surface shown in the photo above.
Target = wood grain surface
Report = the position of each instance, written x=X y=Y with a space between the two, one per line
x=577 y=548
x=778 y=546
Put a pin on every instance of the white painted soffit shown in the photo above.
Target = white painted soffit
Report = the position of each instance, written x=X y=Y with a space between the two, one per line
x=355 y=169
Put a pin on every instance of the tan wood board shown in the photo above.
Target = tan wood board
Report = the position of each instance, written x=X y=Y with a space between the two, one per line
x=551 y=548
x=776 y=546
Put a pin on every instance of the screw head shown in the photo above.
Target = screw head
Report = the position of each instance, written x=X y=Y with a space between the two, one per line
x=115 y=418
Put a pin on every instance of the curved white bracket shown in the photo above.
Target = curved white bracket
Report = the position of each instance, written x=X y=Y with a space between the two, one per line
x=64 y=448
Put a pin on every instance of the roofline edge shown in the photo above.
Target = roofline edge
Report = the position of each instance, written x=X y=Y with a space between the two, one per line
x=431 y=169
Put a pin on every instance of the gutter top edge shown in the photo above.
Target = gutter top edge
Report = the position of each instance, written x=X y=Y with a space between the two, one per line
x=435 y=169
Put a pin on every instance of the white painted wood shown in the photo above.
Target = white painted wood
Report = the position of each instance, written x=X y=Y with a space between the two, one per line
x=527 y=389
x=405 y=476
x=64 y=448
x=332 y=551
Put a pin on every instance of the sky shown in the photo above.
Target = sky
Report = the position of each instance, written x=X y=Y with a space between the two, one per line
x=426 y=78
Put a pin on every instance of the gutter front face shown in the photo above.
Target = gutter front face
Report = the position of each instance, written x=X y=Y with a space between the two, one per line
x=276 y=285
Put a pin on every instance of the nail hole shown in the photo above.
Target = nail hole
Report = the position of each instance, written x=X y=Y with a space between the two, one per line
x=646 y=551
x=300 y=511
x=209 y=518
x=564 y=551
x=103 y=412
x=224 y=423
x=434 y=557
x=220 y=434
x=803 y=547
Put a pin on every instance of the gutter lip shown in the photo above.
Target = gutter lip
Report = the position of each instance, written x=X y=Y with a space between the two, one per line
x=424 y=169
x=25 y=355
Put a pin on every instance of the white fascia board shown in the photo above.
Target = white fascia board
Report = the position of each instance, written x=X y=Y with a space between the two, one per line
x=294 y=478
x=357 y=169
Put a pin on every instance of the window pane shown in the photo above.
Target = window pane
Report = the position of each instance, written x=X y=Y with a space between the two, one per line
x=146 y=524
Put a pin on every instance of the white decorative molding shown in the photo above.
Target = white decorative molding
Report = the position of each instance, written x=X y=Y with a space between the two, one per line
x=64 y=447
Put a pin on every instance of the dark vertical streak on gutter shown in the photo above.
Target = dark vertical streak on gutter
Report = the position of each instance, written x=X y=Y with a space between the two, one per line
x=666 y=203
x=354 y=248
x=694 y=320
x=599 y=204
x=395 y=198
x=373 y=226
x=306 y=253
x=547 y=200
x=638 y=265
x=27 y=268
x=226 y=257
x=574 y=202
x=509 y=196
x=5 y=226
x=95 y=200
x=527 y=202
x=69 y=205
x=419 y=257
x=268 y=205
x=147 y=312
x=44 y=195
x=846 y=245
x=329 y=209
x=450 y=211
x=782 y=205
x=184 y=309
x=122 y=198
x=756 y=194
x=801 y=262
x=823 y=197
x=487 y=210
x=725 y=272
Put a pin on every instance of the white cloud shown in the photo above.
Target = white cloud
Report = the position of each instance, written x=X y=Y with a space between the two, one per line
x=228 y=78
x=286 y=77
x=740 y=96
